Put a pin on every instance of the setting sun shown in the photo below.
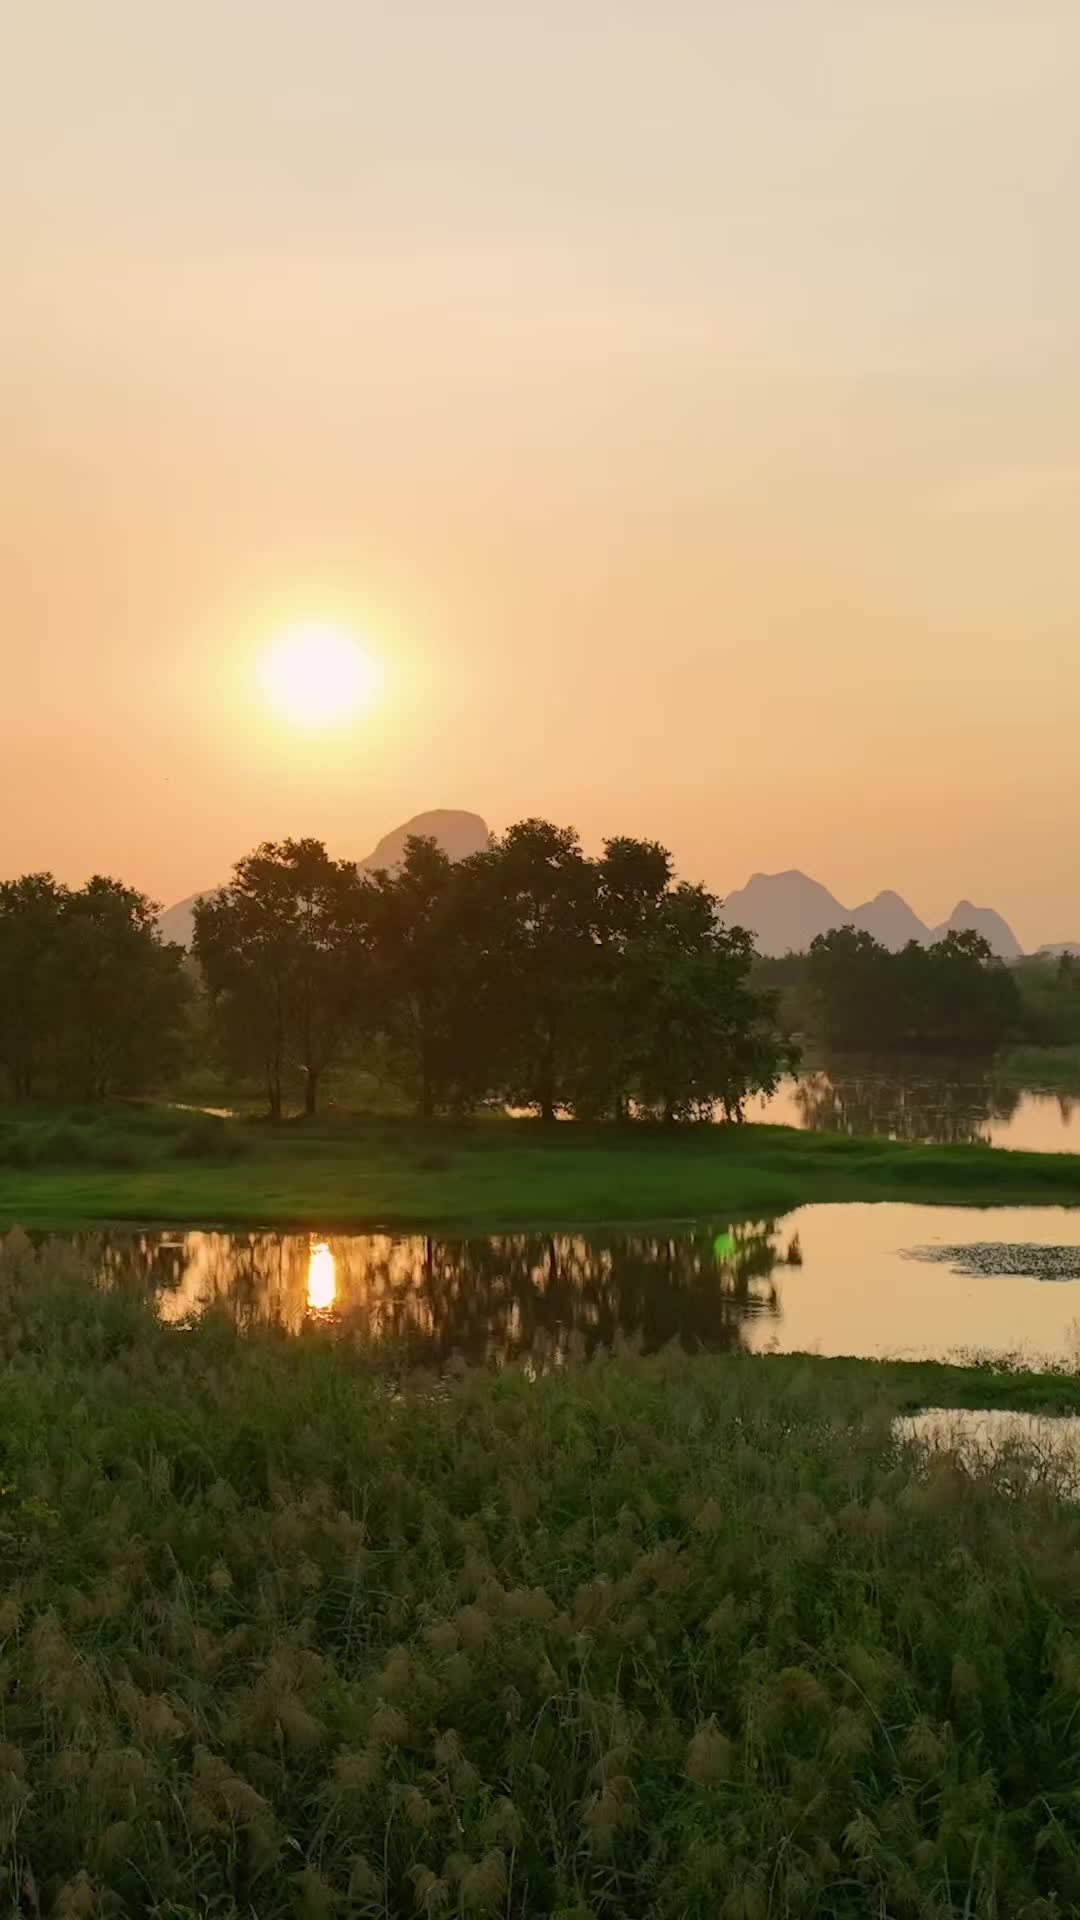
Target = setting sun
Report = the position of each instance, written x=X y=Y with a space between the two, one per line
x=317 y=675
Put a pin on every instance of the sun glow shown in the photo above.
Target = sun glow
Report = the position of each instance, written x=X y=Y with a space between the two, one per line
x=317 y=675
x=322 y=1277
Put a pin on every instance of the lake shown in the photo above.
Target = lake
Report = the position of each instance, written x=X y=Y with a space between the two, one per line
x=879 y=1280
x=920 y=1102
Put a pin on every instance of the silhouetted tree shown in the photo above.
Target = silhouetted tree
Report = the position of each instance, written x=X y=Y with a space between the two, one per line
x=31 y=934
x=535 y=895
x=120 y=1004
x=703 y=1035
x=283 y=950
x=950 y=996
x=430 y=980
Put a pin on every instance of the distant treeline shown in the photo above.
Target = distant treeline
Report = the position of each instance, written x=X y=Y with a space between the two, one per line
x=528 y=975
x=949 y=997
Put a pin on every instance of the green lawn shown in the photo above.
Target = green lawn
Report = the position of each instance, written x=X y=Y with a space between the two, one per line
x=157 y=1165
x=669 y=1639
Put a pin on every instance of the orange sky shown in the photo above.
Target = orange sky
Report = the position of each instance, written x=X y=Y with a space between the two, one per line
x=684 y=399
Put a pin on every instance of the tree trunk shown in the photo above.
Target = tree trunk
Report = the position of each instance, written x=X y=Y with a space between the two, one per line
x=547 y=1081
x=311 y=1093
x=273 y=1090
x=427 y=1090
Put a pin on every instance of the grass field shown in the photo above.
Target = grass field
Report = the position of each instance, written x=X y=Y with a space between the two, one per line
x=671 y=1638
x=1040 y=1069
x=160 y=1165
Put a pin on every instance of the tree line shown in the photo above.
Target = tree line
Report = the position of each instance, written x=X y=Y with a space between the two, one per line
x=529 y=975
x=951 y=996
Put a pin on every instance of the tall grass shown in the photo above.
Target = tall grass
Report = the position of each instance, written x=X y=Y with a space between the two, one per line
x=112 y=1136
x=280 y=1635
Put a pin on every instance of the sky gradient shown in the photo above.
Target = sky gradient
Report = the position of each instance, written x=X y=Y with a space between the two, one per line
x=683 y=399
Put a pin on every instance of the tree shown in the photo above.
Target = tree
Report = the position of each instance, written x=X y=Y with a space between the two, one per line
x=536 y=899
x=283 y=951
x=701 y=1035
x=952 y=996
x=968 y=1002
x=849 y=973
x=632 y=878
x=122 y=993
x=31 y=931
x=428 y=981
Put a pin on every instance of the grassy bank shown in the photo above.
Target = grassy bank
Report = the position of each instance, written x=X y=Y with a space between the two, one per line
x=129 y=1164
x=1040 y=1069
x=670 y=1638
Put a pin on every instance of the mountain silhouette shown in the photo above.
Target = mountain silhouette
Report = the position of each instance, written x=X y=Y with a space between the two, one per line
x=965 y=918
x=786 y=911
x=458 y=833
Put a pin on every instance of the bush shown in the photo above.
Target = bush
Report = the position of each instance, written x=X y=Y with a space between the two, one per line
x=208 y=1139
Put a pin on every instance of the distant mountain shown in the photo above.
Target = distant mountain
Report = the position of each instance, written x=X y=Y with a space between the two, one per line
x=965 y=918
x=178 y=922
x=786 y=911
x=1054 y=949
x=459 y=833
x=890 y=920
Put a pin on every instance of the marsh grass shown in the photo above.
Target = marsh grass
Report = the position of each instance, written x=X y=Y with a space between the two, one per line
x=664 y=1637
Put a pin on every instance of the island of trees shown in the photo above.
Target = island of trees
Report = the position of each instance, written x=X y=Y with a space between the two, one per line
x=528 y=976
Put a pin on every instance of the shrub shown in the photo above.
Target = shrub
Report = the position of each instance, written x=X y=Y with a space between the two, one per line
x=208 y=1139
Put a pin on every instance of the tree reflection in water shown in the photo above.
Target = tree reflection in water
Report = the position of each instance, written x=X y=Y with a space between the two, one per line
x=490 y=1299
x=904 y=1101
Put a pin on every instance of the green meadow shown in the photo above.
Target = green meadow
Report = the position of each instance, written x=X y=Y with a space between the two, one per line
x=146 y=1164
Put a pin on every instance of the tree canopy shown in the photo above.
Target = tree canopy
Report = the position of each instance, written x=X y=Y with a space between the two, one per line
x=952 y=996
x=528 y=975
x=283 y=951
x=92 y=1001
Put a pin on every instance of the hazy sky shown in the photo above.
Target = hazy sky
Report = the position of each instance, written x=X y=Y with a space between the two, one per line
x=682 y=395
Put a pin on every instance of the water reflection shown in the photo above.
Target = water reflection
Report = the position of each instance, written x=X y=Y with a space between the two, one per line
x=904 y=1100
x=1038 y=1446
x=321 y=1278
x=833 y=1279
x=488 y=1299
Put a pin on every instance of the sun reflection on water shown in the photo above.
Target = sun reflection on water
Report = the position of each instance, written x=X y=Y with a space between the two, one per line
x=322 y=1277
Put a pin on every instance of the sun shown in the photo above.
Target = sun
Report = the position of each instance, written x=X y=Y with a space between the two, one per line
x=317 y=675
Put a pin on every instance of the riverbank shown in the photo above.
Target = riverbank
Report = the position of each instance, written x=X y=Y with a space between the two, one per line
x=159 y=1165
x=648 y=1637
x=1040 y=1069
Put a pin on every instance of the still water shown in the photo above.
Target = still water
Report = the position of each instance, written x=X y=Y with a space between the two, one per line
x=877 y=1280
x=1025 y=1444
x=920 y=1103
